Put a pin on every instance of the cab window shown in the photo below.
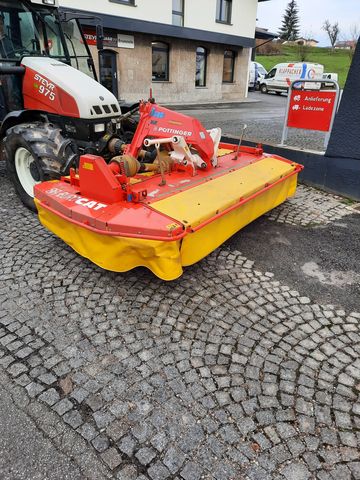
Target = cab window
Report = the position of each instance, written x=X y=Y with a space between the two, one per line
x=78 y=53
x=272 y=73
x=54 y=46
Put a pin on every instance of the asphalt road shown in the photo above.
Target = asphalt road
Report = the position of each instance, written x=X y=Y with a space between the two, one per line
x=320 y=262
x=25 y=453
x=263 y=114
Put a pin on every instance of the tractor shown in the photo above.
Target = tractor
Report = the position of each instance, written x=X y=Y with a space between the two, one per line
x=52 y=108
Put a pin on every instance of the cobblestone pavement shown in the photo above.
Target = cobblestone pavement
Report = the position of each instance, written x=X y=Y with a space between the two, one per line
x=226 y=373
x=312 y=207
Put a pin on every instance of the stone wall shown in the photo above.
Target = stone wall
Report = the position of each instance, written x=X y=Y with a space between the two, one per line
x=135 y=72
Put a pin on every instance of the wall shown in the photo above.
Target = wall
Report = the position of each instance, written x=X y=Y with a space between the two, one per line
x=135 y=72
x=153 y=10
x=202 y=14
x=199 y=14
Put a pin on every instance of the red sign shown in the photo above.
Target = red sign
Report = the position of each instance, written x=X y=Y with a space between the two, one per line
x=90 y=36
x=311 y=110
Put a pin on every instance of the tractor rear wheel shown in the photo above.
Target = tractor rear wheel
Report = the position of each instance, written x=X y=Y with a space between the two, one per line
x=36 y=152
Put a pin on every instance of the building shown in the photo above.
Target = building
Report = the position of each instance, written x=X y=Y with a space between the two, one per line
x=308 y=42
x=185 y=50
x=346 y=45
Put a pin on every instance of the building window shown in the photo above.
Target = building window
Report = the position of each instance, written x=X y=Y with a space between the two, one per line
x=223 y=11
x=160 y=62
x=178 y=13
x=229 y=64
x=201 y=61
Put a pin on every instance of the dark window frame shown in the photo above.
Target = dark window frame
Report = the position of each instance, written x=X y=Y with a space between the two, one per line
x=180 y=14
x=167 y=79
x=205 y=55
x=233 y=58
x=129 y=3
x=114 y=54
x=220 y=11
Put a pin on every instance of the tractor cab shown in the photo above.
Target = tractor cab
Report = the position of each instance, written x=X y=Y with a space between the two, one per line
x=35 y=28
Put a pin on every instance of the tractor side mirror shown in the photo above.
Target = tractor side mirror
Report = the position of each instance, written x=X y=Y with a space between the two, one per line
x=99 y=37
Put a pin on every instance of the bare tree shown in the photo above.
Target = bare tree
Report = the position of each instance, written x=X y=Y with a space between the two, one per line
x=354 y=38
x=304 y=47
x=333 y=31
x=303 y=51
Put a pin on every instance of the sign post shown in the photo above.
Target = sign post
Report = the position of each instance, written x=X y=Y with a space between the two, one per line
x=311 y=108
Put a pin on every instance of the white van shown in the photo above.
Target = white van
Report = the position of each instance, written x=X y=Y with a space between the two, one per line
x=330 y=76
x=257 y=73
x=280 y=77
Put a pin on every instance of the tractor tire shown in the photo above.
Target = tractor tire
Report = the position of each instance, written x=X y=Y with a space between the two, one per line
x=36 y=152
x=263 y=88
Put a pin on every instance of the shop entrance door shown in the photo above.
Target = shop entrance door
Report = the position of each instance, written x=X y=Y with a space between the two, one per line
x=108 y=70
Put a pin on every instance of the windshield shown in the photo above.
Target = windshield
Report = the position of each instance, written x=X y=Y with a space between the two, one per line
x=261 y=70
x=79 y=56
x=25 y=30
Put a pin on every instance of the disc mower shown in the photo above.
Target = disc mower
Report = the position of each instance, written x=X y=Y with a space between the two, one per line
x=166 y=213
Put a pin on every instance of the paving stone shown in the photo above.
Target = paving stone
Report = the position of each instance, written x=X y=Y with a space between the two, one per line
x=101 y=443
x=50 y=396
x=88 y=431
x=79 y=394
x=296 y=471
x=17 y=369
x=129 y=472
x=73 y=419
x=63 y=406
x=47 y=378
x=191 y=471
x=145 y=455
x=34 y=389
x=173 y=459
x=112 y=458
x=102 y=419
x=158 y=472
x=127 y=445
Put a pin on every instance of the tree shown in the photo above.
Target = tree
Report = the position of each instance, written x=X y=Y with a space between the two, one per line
x=290 y=24
x=303 y=50
x=354 y=38
x=333 y=31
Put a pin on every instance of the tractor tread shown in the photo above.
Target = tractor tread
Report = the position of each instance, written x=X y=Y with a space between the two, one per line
x=53 y=154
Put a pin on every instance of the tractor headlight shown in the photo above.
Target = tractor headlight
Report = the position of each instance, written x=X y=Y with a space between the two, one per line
x=99 y=127
x=49 y=2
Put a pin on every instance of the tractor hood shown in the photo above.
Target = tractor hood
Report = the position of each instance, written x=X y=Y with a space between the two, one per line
x=55 y=87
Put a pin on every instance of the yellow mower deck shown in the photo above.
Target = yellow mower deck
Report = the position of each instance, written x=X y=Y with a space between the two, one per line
x=210 y=213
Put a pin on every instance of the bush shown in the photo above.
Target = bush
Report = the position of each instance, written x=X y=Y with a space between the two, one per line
x=270 y=48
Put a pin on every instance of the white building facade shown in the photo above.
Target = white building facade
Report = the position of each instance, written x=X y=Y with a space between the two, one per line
x=185 y=50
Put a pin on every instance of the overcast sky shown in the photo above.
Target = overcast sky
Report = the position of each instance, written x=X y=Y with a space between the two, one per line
x=312 y=16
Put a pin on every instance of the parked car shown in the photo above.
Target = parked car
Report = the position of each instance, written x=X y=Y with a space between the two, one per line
x=281 y=75
x=257 y=73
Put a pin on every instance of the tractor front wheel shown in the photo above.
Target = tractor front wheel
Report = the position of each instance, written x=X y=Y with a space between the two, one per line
x=36 y=152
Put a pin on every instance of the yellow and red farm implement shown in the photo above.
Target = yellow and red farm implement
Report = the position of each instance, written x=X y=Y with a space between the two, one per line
x=169 y=213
